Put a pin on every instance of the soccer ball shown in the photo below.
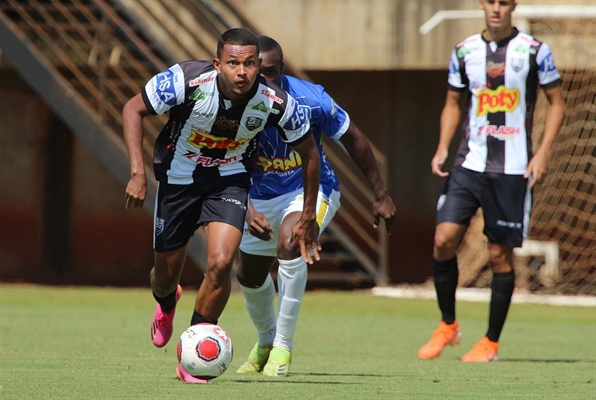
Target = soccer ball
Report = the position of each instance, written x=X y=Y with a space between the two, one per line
x=205 y=351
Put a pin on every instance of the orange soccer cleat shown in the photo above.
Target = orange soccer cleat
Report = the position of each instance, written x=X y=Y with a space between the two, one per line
x=483 y=351
x=445 y=335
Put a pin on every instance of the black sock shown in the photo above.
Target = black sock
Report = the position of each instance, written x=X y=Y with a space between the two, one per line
x=446 y=275
x=167 y=303
x=200 y=318
x=502 y=290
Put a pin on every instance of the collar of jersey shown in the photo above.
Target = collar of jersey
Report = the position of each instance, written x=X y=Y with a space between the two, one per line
x=503 y=42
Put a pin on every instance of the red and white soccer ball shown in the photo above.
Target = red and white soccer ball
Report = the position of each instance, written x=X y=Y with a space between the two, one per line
x=205 y=351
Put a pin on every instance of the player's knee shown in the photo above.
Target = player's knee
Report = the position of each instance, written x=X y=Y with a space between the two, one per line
x=287 y=250
x=500 y=258
x=251 y=278
x=445 y=246
x=219 y=264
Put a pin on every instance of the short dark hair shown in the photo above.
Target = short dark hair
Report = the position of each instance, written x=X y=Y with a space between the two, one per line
x=236 y=36
x=267 y=44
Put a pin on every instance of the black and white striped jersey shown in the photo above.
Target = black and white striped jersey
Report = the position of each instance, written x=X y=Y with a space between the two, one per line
x=501 y=80
x=206 y=137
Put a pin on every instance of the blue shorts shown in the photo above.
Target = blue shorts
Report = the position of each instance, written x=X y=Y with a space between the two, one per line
x=505 y=201
x=181 y=209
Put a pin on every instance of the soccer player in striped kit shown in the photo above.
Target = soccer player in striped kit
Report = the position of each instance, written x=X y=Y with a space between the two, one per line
x=498 y=72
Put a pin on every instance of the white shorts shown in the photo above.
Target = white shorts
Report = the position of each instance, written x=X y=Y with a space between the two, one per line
x=276 y=209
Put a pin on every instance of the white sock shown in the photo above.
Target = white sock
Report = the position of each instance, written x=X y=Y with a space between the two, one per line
x=291 y=281
x=259 y=303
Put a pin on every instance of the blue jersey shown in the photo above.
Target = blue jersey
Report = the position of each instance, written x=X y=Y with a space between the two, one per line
x=277 y=168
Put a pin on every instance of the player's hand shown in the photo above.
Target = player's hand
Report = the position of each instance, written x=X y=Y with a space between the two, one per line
x=537 y=169
x=258 y=226
x=436 y=164
x=306 y=233
x=383 y=207
x=136 y=192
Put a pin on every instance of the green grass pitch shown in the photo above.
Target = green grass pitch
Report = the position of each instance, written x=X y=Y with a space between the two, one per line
x=94 y=343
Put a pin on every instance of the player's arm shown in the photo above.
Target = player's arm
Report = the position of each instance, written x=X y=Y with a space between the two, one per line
x=132 y=119
x=449 y=121
x=537 y=167
x=306 y=230
x=258 y=224
x=361 y=152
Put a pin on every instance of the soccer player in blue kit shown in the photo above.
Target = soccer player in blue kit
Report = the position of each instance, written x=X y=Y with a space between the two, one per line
x=203 y=163
x=275 y=205
x=498 y=71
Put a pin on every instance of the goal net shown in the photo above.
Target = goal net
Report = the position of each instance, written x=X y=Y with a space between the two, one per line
x=559 y=256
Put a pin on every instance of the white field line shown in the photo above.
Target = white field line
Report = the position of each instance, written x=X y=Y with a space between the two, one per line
x=483 y=296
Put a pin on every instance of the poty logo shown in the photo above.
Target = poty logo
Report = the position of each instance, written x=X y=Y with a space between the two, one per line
x=201 y=139
x=499 y=100
x=279 y=163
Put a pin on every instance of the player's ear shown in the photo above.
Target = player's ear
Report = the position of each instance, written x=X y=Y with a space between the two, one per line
x=216 y=65
x=281 y=70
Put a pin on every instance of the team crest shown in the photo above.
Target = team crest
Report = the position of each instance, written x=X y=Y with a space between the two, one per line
x=517 y=64
x=253 y=123
x=159 y=225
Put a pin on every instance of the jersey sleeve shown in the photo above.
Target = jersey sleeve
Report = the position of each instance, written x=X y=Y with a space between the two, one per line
x=455 y=80
x=548 y=75
x=165 y=90
x=294 y=124
x=334 y=120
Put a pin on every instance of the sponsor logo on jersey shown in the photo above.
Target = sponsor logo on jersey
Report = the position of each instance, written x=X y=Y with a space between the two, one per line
x=253 y=123
x=224 y=124
x=197 y=81
x=263 y=108
x=462 y=52
x=271 y=94
x=501 y=99
x=494 y=69
x=501 y=132
x=293 y=161
x=297 y=120
x=201 y=114
x=209 y=161
x=527 y=39
x=165 y=87
x=200 y=95
x=204 y=140
x=548 y=64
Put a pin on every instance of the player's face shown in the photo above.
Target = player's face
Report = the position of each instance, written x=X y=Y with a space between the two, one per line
x=498 y=13
x=237 y=70
x=271 y=66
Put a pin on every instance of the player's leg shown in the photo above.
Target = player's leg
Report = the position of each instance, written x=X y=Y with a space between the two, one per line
x=256 y=259
x=172 y=228
x=222 y=243
x=506 y=213
x=292 y=277
x=258 y=290
x=222 y=213
x=455 y=208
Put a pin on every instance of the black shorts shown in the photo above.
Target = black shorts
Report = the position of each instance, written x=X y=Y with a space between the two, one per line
x=505 y=201
x=181 y=209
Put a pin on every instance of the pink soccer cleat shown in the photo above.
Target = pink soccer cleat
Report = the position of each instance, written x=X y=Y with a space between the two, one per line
x=162 y=324
x=186 y=377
